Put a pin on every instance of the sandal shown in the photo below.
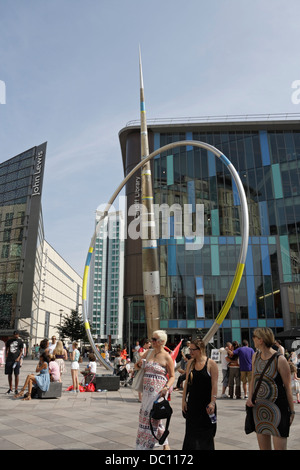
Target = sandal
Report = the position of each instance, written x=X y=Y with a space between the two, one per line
x=20 y=394
x=27 y=398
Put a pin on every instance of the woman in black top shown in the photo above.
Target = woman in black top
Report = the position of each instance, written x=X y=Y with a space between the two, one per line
x=199 y=399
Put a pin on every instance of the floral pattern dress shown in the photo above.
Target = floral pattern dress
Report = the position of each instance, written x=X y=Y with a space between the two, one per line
x=155 y=378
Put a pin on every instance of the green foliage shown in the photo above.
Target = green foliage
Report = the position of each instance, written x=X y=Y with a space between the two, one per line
x=72 y=327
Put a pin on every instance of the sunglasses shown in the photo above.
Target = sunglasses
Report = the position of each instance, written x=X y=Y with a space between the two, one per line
x=194 y=349
x=154 y=339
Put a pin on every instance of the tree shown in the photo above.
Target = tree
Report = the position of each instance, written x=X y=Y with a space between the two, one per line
x=72 y=327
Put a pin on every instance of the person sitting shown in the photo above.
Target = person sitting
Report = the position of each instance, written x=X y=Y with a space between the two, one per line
x=54 y=369
x=42 y=380
x=90 y=371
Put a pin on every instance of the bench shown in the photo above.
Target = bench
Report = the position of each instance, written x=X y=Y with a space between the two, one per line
x=107 y=382
x=54 y=391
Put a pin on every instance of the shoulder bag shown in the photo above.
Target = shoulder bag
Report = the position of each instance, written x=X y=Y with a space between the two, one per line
x=161 y=410
x=249 y=421
x=139 y=378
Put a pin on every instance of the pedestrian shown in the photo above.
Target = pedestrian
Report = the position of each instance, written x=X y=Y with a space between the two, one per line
x=13 y=353
x=273 y=410
x=225 y=368
x=295 y=381
x=184 y=351
x=75 y=366
x=146 y=343
x=159 y=376
x=54 y=369
x=245 y=354
x=52 y=345
x=44 y=346
x=61 y=356
x=199 y=399
x=135 y=352
x=42 y=381
x=234 y=380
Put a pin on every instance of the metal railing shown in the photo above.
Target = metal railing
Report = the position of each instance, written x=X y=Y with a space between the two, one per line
x=219 y=118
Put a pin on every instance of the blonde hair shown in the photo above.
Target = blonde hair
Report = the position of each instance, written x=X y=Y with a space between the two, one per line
x=59 y=348
x=266 y=334
x=75 y=344
x=162 y=336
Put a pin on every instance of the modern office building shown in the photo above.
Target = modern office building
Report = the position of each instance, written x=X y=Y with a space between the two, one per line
x=60 y=292
x=194 y=283
x=107 y=280
x=28 y=266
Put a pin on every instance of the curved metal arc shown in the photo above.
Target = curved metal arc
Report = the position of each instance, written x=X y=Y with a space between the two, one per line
x=244 y=231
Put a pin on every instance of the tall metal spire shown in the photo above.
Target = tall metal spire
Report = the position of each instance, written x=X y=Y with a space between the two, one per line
x=151 y=280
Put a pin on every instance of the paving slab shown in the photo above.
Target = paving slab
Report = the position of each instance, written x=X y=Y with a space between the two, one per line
x=107 y=420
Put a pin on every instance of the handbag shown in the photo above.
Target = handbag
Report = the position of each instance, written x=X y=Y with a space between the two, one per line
x=249 y=421
x=161 y=410
x=138 y=380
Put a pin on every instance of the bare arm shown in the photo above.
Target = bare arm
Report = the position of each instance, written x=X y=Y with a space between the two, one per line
x=184 y=404
x=284 y=371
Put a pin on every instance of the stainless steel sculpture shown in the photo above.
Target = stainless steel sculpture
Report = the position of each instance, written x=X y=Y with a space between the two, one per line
x=151 y=280
x=151 y=291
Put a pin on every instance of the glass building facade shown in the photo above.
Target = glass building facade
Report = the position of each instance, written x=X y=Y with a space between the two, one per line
x=106 y=280
x=195 y=283
x=21 y=238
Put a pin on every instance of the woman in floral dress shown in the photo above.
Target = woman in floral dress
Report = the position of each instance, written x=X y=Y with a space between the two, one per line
x=159 y=376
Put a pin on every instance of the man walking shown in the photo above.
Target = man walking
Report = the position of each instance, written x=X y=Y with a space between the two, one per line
x=13 y=353
x=245 y=354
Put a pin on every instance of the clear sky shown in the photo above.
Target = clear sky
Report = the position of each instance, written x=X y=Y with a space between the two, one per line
x=71 y=73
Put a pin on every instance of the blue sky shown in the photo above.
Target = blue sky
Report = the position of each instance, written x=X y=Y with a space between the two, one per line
x=71 y=73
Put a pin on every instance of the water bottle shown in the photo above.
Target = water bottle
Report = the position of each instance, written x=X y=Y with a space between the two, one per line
x=213 y=418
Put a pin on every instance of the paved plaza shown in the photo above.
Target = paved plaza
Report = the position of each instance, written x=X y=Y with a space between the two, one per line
x=107 y=420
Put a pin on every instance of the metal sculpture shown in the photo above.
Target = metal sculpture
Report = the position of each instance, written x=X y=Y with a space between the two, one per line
x=151 y=279
x=150 y=266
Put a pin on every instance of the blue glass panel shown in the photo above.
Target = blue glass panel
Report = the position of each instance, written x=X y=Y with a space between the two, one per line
x=156 y=142
x=215 y=264
x=200 y=307
x=277 y=183
x=199 y=285
x=170 y=170
x=244 y=323
x=215 y=222
x=191 y=194
x=222 y=240
x=189 y=136
x=285 y=258
x=172 y=267
x=236 y=335
x=249 y=262
x=279 y=322
x=172 y=323
x=251 y=297
x=226 y=323
x=211 y=164
x=236 y=197
x=181 y=323
x=200 y=324
x=270 y=322
x=264 y=218
x=208 y=323
x=264 y=146
x=253 y=323
x=265 y=258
